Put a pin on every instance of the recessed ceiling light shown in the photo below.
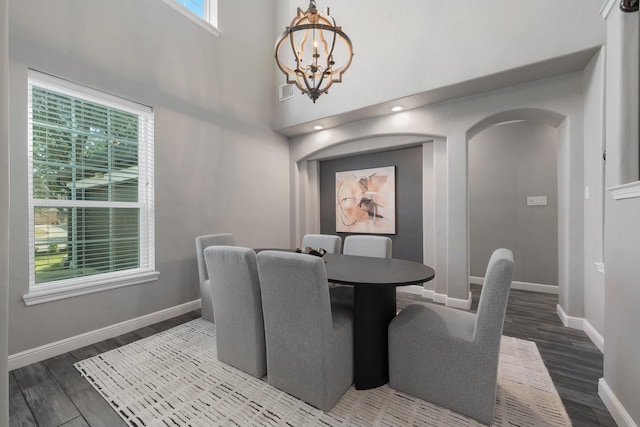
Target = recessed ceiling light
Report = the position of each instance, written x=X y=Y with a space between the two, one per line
x=396 y=108
x=318 y=127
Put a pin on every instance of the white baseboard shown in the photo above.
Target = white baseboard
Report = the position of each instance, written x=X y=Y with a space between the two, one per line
x=464 y=304
x=522 y=286
x=583 y=325
x=569 y=321
x=475 y=280
x=594 y=335
x=46 y=351
x=617 y=411
x=412 y=289
x=428 y=293
x=439 y=298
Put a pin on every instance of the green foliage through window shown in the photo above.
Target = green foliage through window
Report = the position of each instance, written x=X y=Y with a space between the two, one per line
x=82 y=150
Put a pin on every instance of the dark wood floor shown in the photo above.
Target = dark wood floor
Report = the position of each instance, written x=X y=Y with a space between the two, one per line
x=52 y=393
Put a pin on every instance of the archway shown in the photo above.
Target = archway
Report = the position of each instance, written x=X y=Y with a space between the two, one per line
x=512 y=199
x=570 y=206
x=448 y=127
x=434 y=240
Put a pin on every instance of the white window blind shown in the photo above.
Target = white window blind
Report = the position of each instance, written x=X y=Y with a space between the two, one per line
x=90 y=187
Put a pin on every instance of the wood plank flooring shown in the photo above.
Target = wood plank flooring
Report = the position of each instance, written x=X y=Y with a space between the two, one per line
x=52 y=393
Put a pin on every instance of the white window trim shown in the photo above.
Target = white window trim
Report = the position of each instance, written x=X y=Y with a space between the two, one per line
x=210 y=24
x=68 y=288
x=83 y=286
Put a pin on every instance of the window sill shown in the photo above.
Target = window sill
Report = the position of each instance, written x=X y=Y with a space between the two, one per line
x=201 y=22
x=88 y=286
x=626 y=191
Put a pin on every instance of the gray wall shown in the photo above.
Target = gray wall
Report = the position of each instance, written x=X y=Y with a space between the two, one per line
x=594 y=142
x=557 y=102
x=469 y=40
x=407 y=242
x=4 y=212
x=507 y=163
x=622 y=232
x=218 y=165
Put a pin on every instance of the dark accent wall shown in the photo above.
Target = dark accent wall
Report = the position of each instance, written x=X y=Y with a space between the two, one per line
x=407 y=242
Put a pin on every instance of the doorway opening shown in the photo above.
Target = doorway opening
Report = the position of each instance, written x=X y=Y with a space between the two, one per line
x=513 y=201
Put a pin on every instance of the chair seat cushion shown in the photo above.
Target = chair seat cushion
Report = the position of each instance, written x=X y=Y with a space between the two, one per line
x=423 y=317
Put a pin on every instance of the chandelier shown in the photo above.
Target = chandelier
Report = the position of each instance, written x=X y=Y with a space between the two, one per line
x=319 y=52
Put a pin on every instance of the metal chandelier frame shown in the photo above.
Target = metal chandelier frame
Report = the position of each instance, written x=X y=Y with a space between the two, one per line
x=312 y=38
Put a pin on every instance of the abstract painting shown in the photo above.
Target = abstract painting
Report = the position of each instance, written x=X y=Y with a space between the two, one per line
x=366 y=201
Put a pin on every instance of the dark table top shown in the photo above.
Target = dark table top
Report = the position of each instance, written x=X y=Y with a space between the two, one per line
x=360 y=270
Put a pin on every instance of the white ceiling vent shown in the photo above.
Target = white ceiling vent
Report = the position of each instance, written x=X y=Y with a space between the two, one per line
x=285 y=92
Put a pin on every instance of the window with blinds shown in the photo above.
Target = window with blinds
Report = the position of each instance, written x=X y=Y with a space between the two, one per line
x=90 y=185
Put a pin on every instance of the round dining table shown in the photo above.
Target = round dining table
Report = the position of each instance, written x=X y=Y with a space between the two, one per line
x=374 y=306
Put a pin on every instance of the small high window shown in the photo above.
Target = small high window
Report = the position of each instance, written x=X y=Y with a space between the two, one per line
x=199 y=7
x=202 y=12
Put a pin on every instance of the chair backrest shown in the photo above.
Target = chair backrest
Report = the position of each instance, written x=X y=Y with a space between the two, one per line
x=202 y=242
x=373 y=246
x=237 y=304
x=494 y=297
x=309 y=341
x=296 y=305
x=328 y=242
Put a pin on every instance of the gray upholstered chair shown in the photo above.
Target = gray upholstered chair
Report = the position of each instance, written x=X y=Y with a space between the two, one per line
x=449 y=356
x=205 y=287
x=237 y=303
x=373 y=246
x=328 y=242
x=332 y=244
x=309 y=340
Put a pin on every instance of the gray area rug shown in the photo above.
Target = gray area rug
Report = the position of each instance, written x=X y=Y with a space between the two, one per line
x=174 y=379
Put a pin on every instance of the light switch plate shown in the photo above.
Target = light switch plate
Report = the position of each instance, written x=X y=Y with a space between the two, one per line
x=537 y=201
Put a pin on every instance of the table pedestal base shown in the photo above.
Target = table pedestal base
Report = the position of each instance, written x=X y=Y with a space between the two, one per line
x=374 y=308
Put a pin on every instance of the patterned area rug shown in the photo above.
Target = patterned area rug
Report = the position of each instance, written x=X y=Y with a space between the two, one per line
x=174 y=379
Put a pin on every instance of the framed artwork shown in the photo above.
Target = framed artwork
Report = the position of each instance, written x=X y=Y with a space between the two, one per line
x=366 y=201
